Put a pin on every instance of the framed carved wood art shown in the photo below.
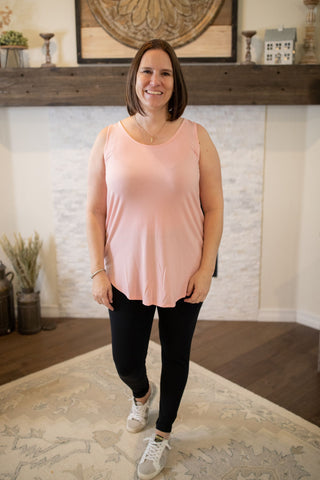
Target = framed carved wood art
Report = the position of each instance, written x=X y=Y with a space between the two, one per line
x=111 y=31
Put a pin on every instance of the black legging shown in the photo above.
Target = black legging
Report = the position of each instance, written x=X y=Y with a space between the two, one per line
x=131 y=324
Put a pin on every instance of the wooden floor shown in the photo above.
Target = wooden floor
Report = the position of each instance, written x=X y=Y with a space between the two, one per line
x=275 y=360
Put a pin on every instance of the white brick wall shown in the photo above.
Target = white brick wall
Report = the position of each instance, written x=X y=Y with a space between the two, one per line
x=238 y=133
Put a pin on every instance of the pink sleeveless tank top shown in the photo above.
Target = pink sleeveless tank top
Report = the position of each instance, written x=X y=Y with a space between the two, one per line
x=154 y=224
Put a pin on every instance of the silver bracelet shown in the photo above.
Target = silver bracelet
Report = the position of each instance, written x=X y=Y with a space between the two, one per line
x=98 y=271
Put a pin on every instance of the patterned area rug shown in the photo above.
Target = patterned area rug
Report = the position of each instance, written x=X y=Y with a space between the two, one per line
x=68 y=423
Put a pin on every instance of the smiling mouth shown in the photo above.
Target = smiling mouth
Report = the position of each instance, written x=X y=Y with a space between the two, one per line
x=151 y=92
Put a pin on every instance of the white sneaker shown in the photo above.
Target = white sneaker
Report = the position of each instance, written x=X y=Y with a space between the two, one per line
x=154 y=458
x=138 y=417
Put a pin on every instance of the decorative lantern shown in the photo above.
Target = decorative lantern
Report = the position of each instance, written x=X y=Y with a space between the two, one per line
x=279 y=46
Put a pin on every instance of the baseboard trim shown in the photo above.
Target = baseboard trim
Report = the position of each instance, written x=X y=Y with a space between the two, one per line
x=50 y=311
x=277 y=315
x=308 y=319
x=54 y=311
x=286 y=315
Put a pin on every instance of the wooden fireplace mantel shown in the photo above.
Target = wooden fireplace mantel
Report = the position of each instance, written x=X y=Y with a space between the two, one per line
x=208 y=84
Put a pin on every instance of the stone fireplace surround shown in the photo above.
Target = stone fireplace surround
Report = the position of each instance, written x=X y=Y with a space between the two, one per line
x=238 y=133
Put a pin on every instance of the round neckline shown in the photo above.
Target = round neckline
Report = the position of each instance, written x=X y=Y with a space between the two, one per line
x=153 y=145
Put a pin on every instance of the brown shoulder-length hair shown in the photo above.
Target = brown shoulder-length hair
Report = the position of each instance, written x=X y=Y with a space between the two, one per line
x=179 y=97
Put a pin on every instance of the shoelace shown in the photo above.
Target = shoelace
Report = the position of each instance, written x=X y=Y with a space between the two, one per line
x=138 y=411
x=154 y=449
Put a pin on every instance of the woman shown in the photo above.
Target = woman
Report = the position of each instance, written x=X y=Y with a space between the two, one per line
x=154 y=221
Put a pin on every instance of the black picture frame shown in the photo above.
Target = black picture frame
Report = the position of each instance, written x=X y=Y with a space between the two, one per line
x=232 y=58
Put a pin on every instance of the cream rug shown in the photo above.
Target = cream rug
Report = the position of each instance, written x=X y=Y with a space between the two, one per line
x=68 y=423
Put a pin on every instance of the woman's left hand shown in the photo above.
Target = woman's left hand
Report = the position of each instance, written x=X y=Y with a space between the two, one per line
x=198 y=287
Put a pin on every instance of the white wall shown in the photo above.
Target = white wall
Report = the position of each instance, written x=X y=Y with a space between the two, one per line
x=283 y=193
x=26 y=195
x=290 y=267
x=290 y=241
x=308 y=297
x=8 y=207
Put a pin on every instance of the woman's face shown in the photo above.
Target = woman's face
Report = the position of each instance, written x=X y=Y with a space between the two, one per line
x=154 y=83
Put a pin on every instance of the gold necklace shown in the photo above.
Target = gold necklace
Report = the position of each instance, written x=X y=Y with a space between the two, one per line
x=152 y=137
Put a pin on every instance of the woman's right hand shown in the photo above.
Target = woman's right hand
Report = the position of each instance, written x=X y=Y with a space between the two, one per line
x=102 y=290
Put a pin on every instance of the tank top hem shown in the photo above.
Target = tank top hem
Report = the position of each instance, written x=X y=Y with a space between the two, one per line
x=147 y=303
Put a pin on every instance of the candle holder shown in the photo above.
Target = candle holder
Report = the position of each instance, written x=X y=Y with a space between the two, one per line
x=47 y=37
x=309 y=57
x=248 y=34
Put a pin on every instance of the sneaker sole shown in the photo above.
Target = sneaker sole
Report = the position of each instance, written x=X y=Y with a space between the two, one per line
x=144 y=476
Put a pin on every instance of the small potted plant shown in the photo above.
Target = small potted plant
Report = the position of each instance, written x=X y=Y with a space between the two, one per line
x=14 y=41
x=23 y=256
